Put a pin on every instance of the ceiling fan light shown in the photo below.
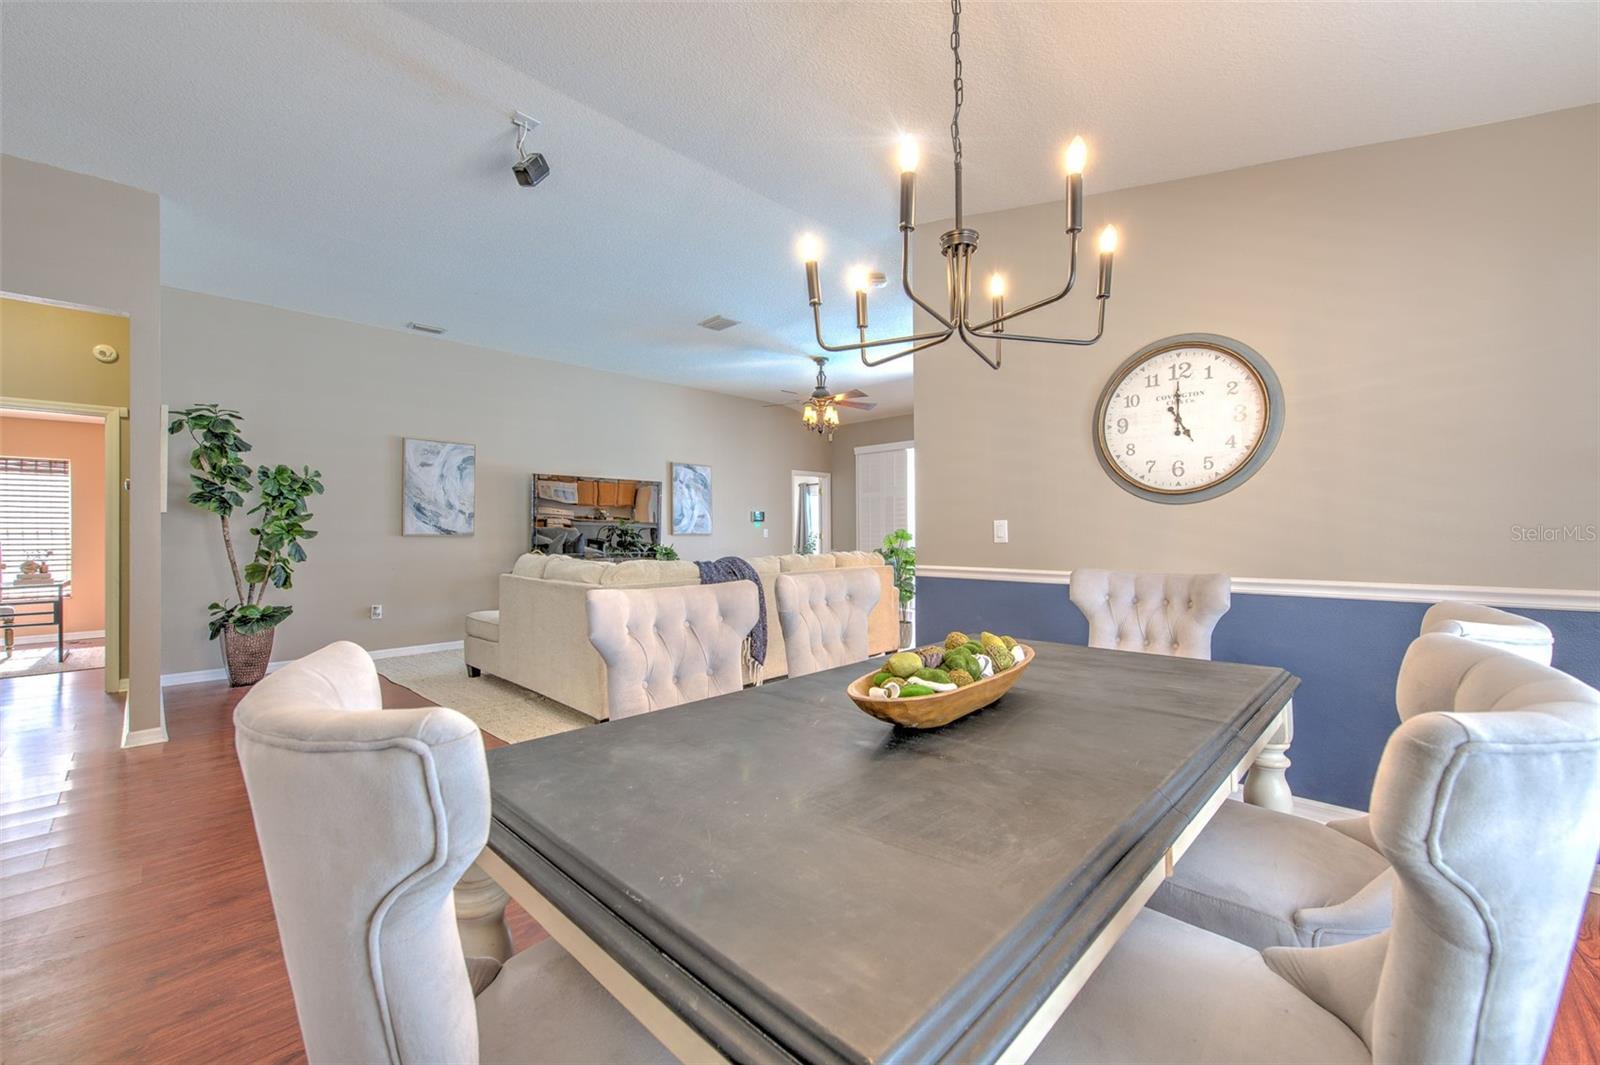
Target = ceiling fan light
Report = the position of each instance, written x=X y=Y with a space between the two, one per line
x=830 y=417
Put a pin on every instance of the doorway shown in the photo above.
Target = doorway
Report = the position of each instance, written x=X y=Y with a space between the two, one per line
x=58 y=539
x=63 y=472
x=811 y=512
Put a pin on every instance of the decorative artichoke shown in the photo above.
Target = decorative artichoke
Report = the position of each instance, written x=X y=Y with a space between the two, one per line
x=1001 y=658
x=954 y=640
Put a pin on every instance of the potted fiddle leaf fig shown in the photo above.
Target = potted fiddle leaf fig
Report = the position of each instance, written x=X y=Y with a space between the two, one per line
x=898 y=551
x=246 y=623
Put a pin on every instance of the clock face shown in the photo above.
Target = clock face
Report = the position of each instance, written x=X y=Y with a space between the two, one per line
x=1187 y=418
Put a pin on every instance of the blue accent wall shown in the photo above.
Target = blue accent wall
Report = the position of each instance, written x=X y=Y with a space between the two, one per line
x=1346 y=653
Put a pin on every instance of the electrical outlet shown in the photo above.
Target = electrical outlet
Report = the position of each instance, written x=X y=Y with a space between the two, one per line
x=377 y=612
x=1002 y=531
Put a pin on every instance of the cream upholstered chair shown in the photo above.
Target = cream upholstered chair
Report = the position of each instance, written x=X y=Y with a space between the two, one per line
x=1157 y=613
x=1270 y=879
x=1491 y=821
x=666 y=646
x=824 y=617
x=367 y=818
x=1513 y=632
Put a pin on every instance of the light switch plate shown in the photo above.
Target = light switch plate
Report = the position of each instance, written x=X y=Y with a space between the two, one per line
x=1002 y=531
x=376 y=612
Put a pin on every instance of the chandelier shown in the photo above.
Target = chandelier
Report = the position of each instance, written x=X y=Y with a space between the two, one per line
x=959 y=246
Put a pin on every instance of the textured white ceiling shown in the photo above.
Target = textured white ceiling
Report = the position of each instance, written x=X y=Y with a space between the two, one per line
x=353 y=160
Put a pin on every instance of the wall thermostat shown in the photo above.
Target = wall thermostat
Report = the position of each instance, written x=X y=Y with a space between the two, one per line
x=105 y=353
x=757 y=517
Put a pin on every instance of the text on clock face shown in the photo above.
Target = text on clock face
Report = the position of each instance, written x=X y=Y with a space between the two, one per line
x=1184 y=418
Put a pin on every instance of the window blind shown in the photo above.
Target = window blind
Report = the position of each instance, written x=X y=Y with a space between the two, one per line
x=36 y=514
x=883 y=495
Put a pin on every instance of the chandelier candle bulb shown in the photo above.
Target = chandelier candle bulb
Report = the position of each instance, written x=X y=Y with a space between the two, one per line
x=861 y=308
x=1108 y=245
x=1076 y=155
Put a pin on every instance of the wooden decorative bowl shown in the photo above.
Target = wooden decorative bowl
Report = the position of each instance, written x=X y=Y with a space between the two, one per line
x=931 y=711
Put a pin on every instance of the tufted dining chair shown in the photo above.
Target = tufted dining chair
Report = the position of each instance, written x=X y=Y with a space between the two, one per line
x=367 y=818
x=1270 y=879
x=1513 y=632
x=1157 y=613
x=824 y=617
x=1491 y=822
x=667 y=646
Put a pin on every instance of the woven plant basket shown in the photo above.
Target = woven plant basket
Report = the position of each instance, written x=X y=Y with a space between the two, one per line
x=246 y=656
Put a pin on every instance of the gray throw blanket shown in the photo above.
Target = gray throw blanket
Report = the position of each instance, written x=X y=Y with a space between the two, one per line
x=734 y=568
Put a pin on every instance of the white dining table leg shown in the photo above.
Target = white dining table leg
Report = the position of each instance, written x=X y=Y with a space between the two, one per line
x=1266 y=785
x=481 y=915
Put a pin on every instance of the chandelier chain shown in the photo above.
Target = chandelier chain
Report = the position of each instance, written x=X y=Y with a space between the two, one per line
x=959 y=85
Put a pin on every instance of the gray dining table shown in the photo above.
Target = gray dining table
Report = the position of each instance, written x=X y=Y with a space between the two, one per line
x=773 y=875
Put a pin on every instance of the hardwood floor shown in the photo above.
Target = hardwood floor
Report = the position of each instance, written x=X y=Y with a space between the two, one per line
x=135 y=923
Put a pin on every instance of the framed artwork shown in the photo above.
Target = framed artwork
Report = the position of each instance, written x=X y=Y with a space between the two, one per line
x=691 y=499
x=441 y=488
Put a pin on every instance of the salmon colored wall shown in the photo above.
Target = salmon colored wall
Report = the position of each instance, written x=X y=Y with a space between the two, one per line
x=83 y=445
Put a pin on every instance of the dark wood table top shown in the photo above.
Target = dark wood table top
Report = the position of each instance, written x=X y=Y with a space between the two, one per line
x=799 y=880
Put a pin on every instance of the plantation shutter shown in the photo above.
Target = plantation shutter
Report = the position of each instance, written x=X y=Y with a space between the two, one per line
x=883 y=494
x=36 y=514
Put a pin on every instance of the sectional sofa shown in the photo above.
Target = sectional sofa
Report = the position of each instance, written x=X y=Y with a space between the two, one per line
x=539 y=636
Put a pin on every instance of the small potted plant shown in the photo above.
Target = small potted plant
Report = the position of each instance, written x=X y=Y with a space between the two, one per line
x=246 y=624
x=898 y=551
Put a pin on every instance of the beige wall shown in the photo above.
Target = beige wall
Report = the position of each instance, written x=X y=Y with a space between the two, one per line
x=340 y=397
x=83 y=445
x=849 y=437
x=77 y=239
x=1430 y=306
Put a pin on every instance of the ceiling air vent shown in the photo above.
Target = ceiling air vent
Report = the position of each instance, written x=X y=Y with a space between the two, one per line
x=717 y=323
x=419 y=327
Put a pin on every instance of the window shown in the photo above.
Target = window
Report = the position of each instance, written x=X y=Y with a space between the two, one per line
x=36 y=514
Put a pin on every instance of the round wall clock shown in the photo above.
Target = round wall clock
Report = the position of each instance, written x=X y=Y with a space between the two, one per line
x=1188 y=418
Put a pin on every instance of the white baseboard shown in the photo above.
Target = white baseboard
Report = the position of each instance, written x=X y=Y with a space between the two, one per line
x=201 y=676
x=35 y=639
x=1534 y=598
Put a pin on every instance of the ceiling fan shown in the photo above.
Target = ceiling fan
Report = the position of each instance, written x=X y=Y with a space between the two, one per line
x=821 y=411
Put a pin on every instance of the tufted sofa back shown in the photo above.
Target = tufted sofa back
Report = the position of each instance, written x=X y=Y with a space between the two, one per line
x=1512 y=632
x=824 y=616
x=367 y=818
x=1158 y=613
x=666 y=646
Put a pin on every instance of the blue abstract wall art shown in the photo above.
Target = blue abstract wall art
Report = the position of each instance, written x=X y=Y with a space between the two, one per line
x=691 y=499
x=440 y=489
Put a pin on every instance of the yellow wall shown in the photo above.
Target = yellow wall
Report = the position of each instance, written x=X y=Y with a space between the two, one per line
x=47 y=353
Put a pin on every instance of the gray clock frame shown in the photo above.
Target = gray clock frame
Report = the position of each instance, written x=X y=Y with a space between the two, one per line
x=1269 y=436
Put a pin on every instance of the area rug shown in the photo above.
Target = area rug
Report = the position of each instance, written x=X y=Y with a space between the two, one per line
x=35 y=659
x=497 y=706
